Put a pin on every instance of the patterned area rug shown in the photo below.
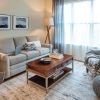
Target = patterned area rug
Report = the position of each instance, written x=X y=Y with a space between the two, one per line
x=75 y=86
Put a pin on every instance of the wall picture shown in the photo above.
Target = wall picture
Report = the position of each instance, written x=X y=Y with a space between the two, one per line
x=4 y=22
x=20 y=22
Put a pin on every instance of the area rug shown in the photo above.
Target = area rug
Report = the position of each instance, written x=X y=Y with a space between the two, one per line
x=75 y=86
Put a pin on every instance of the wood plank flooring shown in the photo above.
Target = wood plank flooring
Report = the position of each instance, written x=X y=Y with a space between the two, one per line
x=75 y=86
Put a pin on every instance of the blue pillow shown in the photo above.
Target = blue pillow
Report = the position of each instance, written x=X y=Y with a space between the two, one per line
x=18 y=50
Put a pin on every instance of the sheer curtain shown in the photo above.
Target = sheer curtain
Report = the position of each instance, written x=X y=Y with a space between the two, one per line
x=81 y=26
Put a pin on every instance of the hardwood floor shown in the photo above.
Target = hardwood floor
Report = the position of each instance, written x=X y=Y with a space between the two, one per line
x=75 y=86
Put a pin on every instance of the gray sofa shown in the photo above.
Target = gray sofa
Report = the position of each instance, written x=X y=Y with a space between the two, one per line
x=13 y=57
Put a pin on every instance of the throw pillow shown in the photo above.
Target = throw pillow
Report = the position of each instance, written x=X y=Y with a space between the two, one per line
x=18 y=50
x=29 y=46
x=37 y=44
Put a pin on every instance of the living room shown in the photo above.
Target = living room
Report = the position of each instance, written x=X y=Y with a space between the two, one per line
x=49 y=50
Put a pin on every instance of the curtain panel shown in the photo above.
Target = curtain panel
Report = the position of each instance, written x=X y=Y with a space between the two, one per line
x=81 y=27
x=77 y=26
x=59 y=25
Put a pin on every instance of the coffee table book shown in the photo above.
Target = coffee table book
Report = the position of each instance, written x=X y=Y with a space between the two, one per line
x=56 y=56
x=45 y=73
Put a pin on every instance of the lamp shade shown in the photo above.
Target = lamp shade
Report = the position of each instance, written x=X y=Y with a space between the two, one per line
x=51 y=21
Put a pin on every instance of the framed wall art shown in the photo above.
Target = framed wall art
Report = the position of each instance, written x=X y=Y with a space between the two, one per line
x=5 y=22
x=20 y=22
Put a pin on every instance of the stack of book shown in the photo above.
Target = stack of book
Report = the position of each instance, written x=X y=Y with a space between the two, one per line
x=56 y=55
x=57 y=74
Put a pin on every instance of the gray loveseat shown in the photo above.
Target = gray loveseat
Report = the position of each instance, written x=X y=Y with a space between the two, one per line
x=13 y=57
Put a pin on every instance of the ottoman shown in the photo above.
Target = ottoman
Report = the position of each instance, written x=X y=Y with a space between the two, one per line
x=96 y=85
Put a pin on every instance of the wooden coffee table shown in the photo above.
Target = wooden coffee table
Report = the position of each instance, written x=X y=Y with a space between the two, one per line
x=44 y=72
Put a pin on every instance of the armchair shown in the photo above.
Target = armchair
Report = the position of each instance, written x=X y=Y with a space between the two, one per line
x=92 y=62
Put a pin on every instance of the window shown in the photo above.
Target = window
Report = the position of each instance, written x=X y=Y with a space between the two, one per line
x=82 y=23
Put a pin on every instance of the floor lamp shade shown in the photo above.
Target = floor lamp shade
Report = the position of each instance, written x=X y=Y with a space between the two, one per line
x=48 y=26
x=51 y=21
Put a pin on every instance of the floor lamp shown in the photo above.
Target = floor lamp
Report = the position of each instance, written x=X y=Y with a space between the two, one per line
x=48 y=27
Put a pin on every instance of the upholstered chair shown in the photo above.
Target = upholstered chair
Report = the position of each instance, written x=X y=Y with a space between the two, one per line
x=92 y=61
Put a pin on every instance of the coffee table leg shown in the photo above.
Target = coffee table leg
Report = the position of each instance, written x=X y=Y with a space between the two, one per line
x=46 y=84
x=27 y=76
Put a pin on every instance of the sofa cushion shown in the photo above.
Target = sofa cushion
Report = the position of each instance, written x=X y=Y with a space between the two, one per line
x=32 y=38
x=31 y=54
x=7 y=46
x=20 y=41
x=43 y=50
x=17 y=59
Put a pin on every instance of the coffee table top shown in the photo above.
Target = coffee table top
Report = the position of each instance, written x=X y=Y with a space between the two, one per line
x=40 y=68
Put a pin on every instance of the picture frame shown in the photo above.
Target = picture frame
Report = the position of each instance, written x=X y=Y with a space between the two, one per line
x=20 y=22
x=5 y=22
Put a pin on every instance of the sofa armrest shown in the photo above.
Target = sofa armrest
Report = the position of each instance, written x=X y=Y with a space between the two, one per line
x=3 y=56
x=47 y=46
x=4 y=64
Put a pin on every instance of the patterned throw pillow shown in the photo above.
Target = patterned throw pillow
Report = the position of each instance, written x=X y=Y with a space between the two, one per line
x=29 y=46
x=32 y=45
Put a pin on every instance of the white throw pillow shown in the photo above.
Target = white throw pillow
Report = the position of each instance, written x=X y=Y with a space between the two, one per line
x=37 y=44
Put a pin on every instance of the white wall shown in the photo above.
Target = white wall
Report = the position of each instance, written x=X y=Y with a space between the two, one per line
x=34 y=9
x=48 y=8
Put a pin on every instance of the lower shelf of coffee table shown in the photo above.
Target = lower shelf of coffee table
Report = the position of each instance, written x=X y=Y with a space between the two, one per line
x=41 y=81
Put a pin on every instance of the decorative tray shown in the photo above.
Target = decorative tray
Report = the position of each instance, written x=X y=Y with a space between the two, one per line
x=45 y=60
